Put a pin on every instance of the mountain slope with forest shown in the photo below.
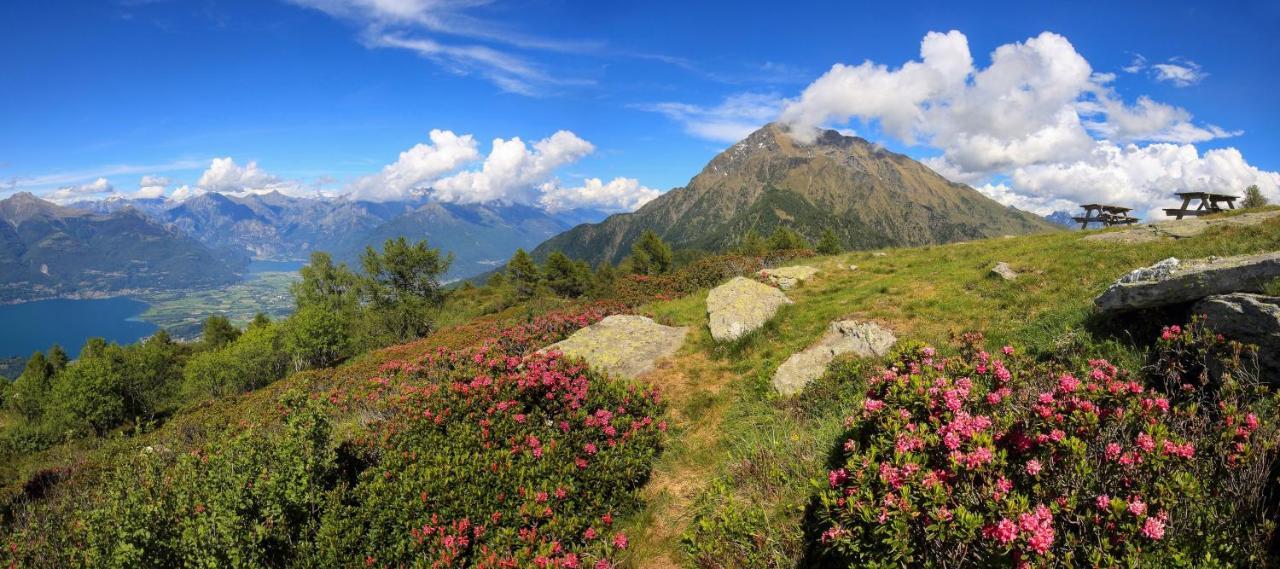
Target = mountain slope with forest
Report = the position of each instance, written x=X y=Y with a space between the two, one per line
x=48 y=250
x=869 y=196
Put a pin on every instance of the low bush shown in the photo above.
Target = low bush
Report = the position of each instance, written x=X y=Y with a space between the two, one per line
x=984 y=459
x=705 y=272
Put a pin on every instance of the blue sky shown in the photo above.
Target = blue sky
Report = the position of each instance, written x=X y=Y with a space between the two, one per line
x=326 y=93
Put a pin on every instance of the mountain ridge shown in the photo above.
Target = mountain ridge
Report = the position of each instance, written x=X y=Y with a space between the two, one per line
x=869 y=196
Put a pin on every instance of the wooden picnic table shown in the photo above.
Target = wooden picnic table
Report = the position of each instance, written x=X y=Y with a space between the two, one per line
x=1209 y=203
x=1105 y=214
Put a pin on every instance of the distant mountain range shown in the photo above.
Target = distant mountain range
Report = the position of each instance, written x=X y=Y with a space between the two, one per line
x=1063 y=218
x=871 y=197
x=47 y=250
x=273 y=226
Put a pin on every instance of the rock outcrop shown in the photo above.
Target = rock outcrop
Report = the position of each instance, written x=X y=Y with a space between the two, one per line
x=1249 y=318
x=788 y=277
x=862 y=339
x=1181 y=229
x=623 y=345
x=1172 y=281
x=741 y=306
x=1004 y=271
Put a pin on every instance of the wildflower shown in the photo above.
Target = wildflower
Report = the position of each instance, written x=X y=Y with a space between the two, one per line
x=837 y=477
x=1103 y=502
x=1003 y=531
x=1033 y=467
x=620 y=541
x=1153 y=528
x=1113 y=451
x=1137 y=507
x=1146 y=443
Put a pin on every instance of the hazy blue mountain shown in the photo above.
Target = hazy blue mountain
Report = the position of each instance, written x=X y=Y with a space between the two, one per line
x=49 y=250
x=1062 y=218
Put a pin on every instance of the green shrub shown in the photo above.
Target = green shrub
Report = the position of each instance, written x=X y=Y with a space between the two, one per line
x=979 y=460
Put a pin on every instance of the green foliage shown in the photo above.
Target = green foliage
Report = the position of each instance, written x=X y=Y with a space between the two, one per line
x=752 y=244
x=218 y=332
x=829 y=244
x=785 y=239
x=565 y=277
x=1253 y=197
x=58 y=358
x=402 y=286
x=524 y=275
x=333 y=287
x=259 y=320
x=255 y=359
x=651 y=255
x=112 y=384
x=315 y=337
x=31 y=389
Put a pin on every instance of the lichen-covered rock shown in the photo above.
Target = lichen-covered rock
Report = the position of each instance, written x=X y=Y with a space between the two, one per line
x=862 y=339
x=788 y=277
x=1251 y=319
x=1172 y=281
x=1004 y=271
x=740 y=306
x=623 y=345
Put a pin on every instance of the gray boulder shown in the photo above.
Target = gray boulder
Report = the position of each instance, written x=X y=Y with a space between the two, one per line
x=741 y=306
x=1251 y=319
x=623 y=345
x=862 y=339
x=1172 y=281
x=1181 y=229
x=786 y=278
x=1004 y=271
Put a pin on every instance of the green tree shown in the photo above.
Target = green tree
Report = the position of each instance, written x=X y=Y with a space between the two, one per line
x=259 y=320
x=334 y=287
x=829 y=244
x=315 y=337
x=58 y=358
x=218 y=332
x=752 y=244
x=32 y=389
x=401 y=285
x=785 y=238
x=1253 y=197
x=651 y=255
x=602 y=282
x=257 y=358
x=524 y=275
x=565 y=277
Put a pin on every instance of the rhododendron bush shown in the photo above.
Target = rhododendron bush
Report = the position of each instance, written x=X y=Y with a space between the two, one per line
x=996 y=459
x=491 y=455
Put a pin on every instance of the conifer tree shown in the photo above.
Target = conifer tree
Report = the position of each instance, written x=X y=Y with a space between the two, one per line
x=829 y=244
x=651 y=255
x=524 y=275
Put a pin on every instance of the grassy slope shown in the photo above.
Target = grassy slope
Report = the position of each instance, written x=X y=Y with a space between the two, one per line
x=739 y=452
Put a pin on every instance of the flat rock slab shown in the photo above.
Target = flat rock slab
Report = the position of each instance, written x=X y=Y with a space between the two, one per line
x=1172 y=281
x=1004 y=271
x=1251 y=319
x=741 y=306
x=623 y=345
x=862 y=339
x=1181 y=229
x=788 y=277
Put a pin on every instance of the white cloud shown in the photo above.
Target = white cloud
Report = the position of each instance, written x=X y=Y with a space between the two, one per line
x=1037 y=128
x=1180 y=72
x=185 y=192
x=1138 y=64
x=417 y=167
x=513 y=171
x=418 y=25
x=88 y=190
x=730 y=121
x=621 y=194
x=226 y=177
x=151 y=187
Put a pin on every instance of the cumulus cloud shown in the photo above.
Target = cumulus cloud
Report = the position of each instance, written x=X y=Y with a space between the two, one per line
x=418 y=167
x=151 y=187
x=620 y=194
x=730 y=121
x=1037 y=128
x=513 y=170
x=226 y=177
x=88 y=190
x=186 y=192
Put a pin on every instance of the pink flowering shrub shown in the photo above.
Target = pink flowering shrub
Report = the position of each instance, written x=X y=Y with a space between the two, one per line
x=995 y=459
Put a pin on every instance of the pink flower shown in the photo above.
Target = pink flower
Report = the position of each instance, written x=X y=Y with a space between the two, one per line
x=1068 y=383
x=872 y=405
x=1003 y=531
x=1033 y=467
x=620 y=541
x=837 y=477
x=1136 y=506
x=1146 y=443
x=1113 y=451
x=1103 y=502
x=1153 y=528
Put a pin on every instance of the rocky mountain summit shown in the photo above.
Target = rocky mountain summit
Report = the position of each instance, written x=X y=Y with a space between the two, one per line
x=869 y=196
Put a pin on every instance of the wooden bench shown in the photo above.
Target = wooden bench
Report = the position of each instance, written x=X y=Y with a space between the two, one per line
x=1209 y=203
x=1104 y=214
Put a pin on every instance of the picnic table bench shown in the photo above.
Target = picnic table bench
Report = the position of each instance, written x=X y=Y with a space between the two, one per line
x=1209 y=203
x=1105 y=214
